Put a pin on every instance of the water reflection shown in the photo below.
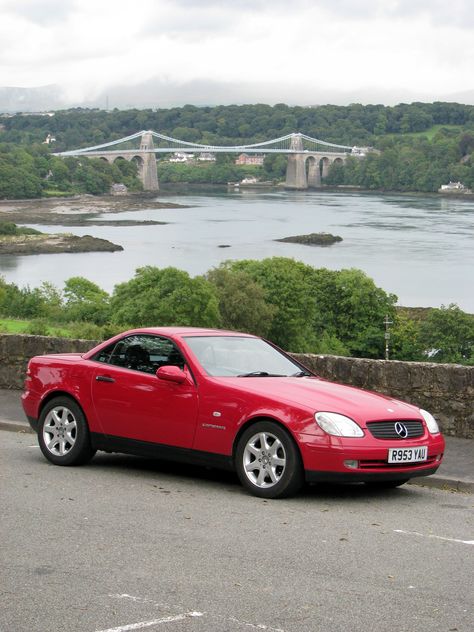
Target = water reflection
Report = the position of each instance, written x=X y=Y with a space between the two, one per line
x=8 y=262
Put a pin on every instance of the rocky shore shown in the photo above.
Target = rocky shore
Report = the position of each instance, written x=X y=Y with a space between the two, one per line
x=313 y=239
x=84 y=210
x=53 y=244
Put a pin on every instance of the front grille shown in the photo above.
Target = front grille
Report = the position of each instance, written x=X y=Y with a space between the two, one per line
x=386 y=429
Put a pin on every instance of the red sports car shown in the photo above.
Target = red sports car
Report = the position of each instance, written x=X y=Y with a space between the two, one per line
x=225 y=399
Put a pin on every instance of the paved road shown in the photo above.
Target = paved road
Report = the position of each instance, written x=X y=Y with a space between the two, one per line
x=128 y=544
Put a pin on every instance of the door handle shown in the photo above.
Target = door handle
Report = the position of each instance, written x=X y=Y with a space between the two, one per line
x=104 y=378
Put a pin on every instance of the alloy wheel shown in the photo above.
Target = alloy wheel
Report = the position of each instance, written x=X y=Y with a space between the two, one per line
x=264 y=460
x=60 y=431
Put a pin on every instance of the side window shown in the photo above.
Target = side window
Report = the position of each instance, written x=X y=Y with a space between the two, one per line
x=141 y=352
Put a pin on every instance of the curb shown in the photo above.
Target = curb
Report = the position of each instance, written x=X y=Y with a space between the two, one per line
x=442 y=482
x=15 y=426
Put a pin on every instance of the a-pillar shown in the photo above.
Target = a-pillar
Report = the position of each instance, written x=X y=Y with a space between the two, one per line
x=296 y=169
x=149 y=175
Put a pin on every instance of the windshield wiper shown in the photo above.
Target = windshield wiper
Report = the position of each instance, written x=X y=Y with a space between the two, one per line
x=301 y=374
x=260 y=374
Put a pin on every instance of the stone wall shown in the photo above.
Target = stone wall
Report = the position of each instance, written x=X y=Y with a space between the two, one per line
x=15 y=351
x=446 y=390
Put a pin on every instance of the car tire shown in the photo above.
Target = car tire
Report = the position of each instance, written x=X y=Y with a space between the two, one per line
x=386 y=484
x=268 y=461
x=63 y=433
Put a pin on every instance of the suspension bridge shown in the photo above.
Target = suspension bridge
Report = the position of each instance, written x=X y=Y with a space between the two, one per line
x=309 y=159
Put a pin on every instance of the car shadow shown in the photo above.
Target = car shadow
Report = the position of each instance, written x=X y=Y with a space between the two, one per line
x=179 y=471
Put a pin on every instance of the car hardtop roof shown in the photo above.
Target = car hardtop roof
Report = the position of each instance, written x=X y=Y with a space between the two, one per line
x=189 y=331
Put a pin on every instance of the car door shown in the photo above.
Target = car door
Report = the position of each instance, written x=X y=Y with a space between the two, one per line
x=130 y=401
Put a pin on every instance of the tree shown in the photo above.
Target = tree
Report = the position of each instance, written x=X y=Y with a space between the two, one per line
x=23 y=302
x=165 y=296
x=447 y=335
x=86 y=301
x=287 y=286
x=242 y=303
x=405 y=343
x=350 y=308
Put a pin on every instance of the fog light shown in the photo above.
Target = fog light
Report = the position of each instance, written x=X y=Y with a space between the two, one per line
x=350 y=463
x=438 y=457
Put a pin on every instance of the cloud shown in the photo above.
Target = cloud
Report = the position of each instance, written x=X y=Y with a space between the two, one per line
x=41 y=12
x=86 y=46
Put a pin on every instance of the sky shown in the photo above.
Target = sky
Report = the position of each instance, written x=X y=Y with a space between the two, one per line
x=294 y=51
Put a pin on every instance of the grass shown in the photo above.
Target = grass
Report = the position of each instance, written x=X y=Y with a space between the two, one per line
x=15 y=326
x=52 y=193
x=431 y=132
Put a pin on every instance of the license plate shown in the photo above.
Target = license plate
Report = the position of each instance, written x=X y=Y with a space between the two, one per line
x=408 y=455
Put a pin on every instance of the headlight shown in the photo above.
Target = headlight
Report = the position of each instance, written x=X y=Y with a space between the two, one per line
x=430 y=421
x=338 y=425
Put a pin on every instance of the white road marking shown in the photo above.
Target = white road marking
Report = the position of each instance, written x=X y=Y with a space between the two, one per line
x=436 y=537
x=144 y=600
x=132 y=598
x=140 y=625
x=256 y=626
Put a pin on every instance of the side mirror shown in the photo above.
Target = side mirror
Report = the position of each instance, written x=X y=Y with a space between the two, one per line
x=171 y=373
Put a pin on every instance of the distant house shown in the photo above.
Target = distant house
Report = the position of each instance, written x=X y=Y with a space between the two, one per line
x=206 y=157
x=245 y=159
x=181 y=157
x=454 y=187
x=118 y=189
x=49 y=139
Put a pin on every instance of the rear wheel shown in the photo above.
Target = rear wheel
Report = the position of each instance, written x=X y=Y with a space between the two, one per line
x=63 y=433
x=268 y=462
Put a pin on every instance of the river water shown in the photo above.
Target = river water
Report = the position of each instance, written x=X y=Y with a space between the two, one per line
x=418 y=247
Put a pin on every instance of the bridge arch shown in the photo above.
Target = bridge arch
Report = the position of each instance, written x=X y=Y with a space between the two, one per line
x=313 y=171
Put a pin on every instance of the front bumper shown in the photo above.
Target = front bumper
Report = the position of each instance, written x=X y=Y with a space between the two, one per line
x=312 y=476
x=325 y=458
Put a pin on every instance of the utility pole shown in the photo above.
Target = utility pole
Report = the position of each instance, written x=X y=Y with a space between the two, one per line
x=387 y=322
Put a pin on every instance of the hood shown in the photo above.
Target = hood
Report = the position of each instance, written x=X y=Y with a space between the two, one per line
x=318 y=395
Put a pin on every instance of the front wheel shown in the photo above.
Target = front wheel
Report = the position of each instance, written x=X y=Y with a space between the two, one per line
x=268 y=462
x=63 y=433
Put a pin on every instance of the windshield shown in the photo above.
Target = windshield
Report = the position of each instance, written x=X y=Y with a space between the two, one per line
x=239 y=356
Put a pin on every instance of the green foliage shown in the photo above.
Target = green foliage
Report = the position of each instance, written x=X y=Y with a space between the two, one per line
x=351 y=308
x=29 y=172
x=38 y=327
x=286 y=283
x=427 y=141
x=300 y=308
x=219 y=172
x=10 y=229
x=165 y=296
x=21 y=302
x=319 y=310
x=405 y=343
x=18 y=176
x=242 y=302
x=447 y=335
x=85 y=301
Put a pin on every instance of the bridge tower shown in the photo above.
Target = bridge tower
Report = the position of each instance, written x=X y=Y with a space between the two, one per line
x=296 y=169
x=147 y=165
